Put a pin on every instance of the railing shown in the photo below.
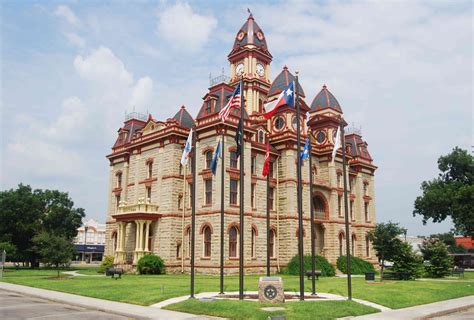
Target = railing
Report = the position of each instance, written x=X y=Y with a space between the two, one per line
x=141 y=206
x=353 y=130
x=135 y=115
x=219 y=79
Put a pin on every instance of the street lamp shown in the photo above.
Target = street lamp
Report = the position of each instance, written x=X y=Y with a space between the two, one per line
x=85 y=242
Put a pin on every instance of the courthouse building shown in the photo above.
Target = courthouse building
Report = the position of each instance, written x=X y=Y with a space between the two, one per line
x=149 y=203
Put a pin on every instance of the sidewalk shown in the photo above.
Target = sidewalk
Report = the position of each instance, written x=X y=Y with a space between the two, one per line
x=124 y=309
x=424 y=311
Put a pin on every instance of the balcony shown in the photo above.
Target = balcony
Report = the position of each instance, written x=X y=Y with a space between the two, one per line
x=143 y=209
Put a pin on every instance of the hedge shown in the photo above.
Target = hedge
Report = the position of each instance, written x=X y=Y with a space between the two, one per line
x=358 y=265
x=327 y=270
x=150 y=264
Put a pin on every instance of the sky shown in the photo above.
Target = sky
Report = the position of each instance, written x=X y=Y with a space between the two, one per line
x=70 y=70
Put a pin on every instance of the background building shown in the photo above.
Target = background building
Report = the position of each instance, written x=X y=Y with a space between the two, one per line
x=149 y=202
x=90 y=241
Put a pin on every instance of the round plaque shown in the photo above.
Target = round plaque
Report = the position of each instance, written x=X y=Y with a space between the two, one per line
x=270 y=292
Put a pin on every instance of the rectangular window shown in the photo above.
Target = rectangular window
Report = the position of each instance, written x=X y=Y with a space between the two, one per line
x=271 y=192
x=190 y=192
x=366 y=189
x=119 y=180
x=117 y=201
x=148 y=194
x=233 y=191
x=351 y=207
x=180 y=201
x=150 y=170
x=252 y=195
x=339 y=205
x=253 y=166
x=270 y=171
x=208 y=106
x=233 y=159
x=366 y=211
x=351 y=184
x=208 y=184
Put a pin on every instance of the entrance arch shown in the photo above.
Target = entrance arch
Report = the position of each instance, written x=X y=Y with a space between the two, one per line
x=320 y=205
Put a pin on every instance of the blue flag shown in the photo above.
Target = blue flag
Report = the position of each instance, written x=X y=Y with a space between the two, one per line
x=215 y=157
x=305 y=153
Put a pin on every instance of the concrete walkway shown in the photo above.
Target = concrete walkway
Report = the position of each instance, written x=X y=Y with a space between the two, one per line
x=425 y=311
x=76 y=273
x=323 y=296
x=124 y=309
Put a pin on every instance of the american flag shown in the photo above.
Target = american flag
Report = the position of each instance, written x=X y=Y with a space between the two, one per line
x=234 y=102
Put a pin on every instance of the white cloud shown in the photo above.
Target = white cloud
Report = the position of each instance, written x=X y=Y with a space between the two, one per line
x=103 y=67
x=75 y=39
x=142 y=93
x=65 y=12
x=184 y=29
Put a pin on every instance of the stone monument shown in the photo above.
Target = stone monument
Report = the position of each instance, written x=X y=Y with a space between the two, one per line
x=270 y=290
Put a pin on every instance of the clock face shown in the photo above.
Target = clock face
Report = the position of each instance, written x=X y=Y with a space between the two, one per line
x=270 y=292
x=260 y=69
x=239 y=69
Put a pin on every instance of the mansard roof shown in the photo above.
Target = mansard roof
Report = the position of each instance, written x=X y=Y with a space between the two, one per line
x=358 y=146
x=184 y=118
x=282 y=81
x=325 y=100
x=221 y=94
x=128 y=131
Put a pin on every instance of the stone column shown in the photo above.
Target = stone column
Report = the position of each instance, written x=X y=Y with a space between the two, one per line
x=147 y=233
x=138 y=241
x=120 y=252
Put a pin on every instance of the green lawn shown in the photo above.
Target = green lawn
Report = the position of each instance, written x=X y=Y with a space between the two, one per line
x=146 y=290
x=293 y=310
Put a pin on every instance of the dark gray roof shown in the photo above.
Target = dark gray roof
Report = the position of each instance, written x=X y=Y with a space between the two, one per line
x=358 y=146
x=184 y=118
x=282 y=81
x=325 y=100
x=130 y=128
x=223 y=95
x=251 y=34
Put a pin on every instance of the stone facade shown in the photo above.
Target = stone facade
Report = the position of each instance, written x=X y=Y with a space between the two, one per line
x=149 y=205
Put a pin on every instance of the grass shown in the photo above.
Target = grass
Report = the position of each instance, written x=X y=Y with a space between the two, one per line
x=148 y=289
x=293 y=310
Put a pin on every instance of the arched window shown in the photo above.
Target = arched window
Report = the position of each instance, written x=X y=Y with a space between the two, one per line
x=178 y=250
x=119 y=180
x=353 y=248
x=253 y=245
x=233 y=159
x=188 y=238
x=260 y=136
x=208 y=159
x=207 y=241
x=319 y=207
x=150 y=169
x=341 y=244
x=272 y=243
x=233 y=242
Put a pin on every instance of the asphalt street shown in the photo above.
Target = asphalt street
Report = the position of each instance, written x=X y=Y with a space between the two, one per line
x=15 y=306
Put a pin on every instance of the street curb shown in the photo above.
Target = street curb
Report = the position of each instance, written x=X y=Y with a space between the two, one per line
x=446 y=312
x=76 y=304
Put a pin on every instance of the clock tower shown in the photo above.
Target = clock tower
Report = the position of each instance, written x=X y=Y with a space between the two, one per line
x=251 y=59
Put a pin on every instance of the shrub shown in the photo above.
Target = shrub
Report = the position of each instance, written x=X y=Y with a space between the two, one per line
x=358 y=265
x=435 y=253
x=327 y=270
x=407 y=261
x=107 y=262
x=150 y=264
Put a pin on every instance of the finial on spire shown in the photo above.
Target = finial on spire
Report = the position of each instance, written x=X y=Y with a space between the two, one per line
x=250 y=12
x=324 y=86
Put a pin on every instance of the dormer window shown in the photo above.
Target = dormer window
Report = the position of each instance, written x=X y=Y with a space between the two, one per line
x=208 y=106
x=261 y=136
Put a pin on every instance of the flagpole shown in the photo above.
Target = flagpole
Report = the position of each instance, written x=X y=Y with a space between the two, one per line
x=346 y=214
x=182 y=221
x=241 y=185
x=268 y=216
x=193 y=209
x=222 y=209
x=299 y=191
x=313 y=232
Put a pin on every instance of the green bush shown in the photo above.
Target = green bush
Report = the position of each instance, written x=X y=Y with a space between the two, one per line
x=407 y=261
x=150 y=264
x=327 y=270
x=107 y=262
x=435 y=253
x=358 y=265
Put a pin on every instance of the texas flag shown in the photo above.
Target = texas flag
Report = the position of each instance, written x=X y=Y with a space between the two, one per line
x=287 y=97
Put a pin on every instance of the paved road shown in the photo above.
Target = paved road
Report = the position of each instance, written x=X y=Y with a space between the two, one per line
x=461 y=315
x=15 y=306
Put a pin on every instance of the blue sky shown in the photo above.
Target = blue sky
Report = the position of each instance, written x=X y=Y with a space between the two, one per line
x=402 y=70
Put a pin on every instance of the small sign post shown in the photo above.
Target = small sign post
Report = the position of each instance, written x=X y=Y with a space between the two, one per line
x=4 y=256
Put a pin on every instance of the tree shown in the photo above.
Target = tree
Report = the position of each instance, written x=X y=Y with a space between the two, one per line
x=53 y=250
x=451 y=194
x=408 y=261
x=435 y=252
x=25 y=213
x=449 y=240
x=385 y=241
